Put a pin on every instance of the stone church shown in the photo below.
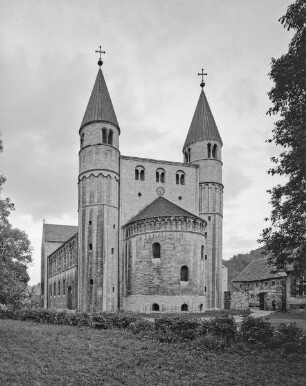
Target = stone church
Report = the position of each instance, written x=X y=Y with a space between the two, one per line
x=149 y=234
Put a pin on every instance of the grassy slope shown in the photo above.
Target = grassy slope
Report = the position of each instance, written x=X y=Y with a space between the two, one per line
x=33 y=354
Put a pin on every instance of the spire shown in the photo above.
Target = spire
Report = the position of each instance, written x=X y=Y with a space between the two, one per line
x=100 y=107
x=203 y=125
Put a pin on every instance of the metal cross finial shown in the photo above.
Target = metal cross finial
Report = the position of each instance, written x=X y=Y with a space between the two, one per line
x=100 y=52
x=202 y=74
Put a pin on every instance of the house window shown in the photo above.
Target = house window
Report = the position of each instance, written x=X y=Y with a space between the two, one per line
x=252 y=296
x=139 y=173
x=266 y=284
x=156 y=250
x=273 y=283
x=256 y=284
x=180 y=177
x=184 y=307
x=160 y=175
x=184 y=273
x=301 y=285
x=155 y=307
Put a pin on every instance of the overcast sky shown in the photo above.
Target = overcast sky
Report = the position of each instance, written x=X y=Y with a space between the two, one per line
x=154 y=50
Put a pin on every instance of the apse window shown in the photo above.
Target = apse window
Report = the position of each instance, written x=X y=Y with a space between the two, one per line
x=156 y=250
x=184 y=307
x=139 y=173
x=184 y=273
x=155 y=307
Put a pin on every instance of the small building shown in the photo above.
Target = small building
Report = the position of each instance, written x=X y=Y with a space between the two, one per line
x=262 y=285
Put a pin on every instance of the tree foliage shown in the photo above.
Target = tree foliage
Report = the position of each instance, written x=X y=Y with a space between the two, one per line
x=15 y=255
x=285 y=239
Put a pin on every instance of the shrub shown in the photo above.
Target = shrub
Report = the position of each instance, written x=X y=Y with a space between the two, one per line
x=289 y=338
x=203 y=328
x=142 y=326
x=176 y=328
x=99 y=321
x=256 y=330
x=211 y=342
x=224 y=326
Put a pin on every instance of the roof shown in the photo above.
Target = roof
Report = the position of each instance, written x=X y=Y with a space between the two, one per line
x=59 y=233
x=100 y=107
x=258 y=269
x=203 y=125
x=161 y=207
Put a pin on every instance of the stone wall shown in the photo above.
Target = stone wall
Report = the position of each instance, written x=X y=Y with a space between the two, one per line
x=239 y=301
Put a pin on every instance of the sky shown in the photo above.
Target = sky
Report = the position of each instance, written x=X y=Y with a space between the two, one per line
x=154 y=51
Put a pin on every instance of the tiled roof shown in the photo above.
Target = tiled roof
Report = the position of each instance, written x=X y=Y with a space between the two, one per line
x=161 y=207
x=203 y=125
x=100 y=107
x=59 y=233
x=258 y=269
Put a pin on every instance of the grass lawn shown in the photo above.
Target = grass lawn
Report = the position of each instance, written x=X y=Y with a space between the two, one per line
x=287 y=317
x=37 y=354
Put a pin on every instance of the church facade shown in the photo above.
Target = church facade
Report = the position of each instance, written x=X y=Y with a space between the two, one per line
x=149 y=234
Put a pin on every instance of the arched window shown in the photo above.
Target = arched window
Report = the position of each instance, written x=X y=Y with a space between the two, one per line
x=184 y=307
x=187 y=156
x=104 y=135
x=155 y=307
x=139 y=173
x=64 y=287
x=184 y=273
x=54 y=289
x=214 y=151
x=209 y=150
x=180 y=177
x=160 y=175
x=59 y=288
x=82 y=141
x=202 y=252
x=110 y=137
x=156 y=250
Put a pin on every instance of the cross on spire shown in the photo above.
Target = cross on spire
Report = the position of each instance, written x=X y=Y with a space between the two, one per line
x=100 y=52
x=202 y=74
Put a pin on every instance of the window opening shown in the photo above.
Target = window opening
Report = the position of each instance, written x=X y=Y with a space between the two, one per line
x=156 y=250
x=112 y=251
x=136 y=174
x=90 y=247
x=82 y=141
x=209 y=150
x=155 y=307
x=214 y=151
x=110 y=137
x=91 y=281
x=184 y=273
x=184 y=307
x=160 y=175
x=64 y=287
x=104 y=136
x=142 y=175
x=202 y=252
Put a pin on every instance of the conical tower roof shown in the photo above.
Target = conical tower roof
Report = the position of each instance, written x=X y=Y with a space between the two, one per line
x=161 y=207
x=203 y=125
x=100 y=107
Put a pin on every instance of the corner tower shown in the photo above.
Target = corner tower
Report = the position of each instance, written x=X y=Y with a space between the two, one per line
x=98 y=202
x=203 y=146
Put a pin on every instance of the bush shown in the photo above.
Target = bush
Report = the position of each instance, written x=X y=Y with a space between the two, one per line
x=142 y=326
x=203 y=328
x=289 y=338
x=99 y=321
x=224 y=326
x=256 y=331
x=176 y=328
x=211 y=342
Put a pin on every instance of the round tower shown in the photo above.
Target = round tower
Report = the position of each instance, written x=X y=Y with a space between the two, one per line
x=203 y=147
x=98 y=203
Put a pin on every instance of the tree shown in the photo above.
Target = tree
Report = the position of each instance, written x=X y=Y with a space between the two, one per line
x=15 y=255
x=285 y=238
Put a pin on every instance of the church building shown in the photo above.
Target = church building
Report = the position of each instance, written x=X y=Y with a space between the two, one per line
x=149 y=234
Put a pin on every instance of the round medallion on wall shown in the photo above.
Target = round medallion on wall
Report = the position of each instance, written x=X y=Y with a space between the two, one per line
x=160 y=191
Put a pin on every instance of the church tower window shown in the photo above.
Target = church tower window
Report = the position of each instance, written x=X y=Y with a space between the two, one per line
x=184 y=273
x=82 y=141
x=214 y=151
x=156 y=250
x=160 y=175
x=209 y=150
x=104 y=135
x=202 y=252
x=187 y=156
x=110 y=137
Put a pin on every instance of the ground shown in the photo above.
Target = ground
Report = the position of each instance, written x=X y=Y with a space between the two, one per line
x=37 y=354
x=276 y=318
